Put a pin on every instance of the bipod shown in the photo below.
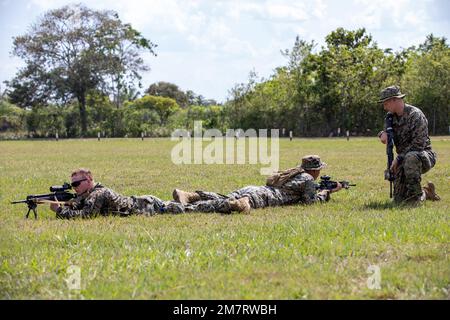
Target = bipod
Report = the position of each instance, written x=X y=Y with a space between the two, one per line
x=31 y=206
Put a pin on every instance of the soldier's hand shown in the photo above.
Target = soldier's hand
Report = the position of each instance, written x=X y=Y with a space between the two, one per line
x=54 y=206
x=383 y=137
x=325 y=193
x=394 y=166
x=339 y=187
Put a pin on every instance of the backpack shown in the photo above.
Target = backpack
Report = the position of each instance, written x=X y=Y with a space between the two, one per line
x=278 y=179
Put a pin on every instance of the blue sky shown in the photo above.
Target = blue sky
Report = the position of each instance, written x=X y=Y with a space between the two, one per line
x=209 y=46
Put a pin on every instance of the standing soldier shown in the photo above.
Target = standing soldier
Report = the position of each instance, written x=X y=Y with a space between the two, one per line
x=414 y=154
x=292 y=186
x=93 y=199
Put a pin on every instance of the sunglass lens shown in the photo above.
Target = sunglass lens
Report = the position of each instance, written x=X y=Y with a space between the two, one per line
x=76 y=184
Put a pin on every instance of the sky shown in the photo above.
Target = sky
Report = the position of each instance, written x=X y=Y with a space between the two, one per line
x=210 y=46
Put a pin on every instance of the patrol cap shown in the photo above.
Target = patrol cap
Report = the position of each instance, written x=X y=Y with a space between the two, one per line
x=312 y=162
x=390 y=92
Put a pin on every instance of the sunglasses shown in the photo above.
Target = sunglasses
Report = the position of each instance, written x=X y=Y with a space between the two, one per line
x=77 y=183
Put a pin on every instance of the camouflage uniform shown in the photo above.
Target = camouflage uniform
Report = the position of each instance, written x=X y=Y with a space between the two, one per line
x=414 y=154
x=104 y=201
x=301 y=189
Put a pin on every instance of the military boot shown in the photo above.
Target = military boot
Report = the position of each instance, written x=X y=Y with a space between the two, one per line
x=240 y=205
x=430 y=192
x=185 y=197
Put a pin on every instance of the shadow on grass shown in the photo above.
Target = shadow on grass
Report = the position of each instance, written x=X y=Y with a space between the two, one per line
x=383 y=205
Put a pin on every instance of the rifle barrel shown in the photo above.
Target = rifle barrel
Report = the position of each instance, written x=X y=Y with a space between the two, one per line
x=18 y=201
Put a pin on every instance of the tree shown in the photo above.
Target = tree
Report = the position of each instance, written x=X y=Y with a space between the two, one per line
x=73 y=50
x=24 y=90
x=350 y=72
x=212 y=117
x=317 y=93
x=164 y=107
x=427 y=82
x=11 y=117
x=168 y=90
x=298 y=79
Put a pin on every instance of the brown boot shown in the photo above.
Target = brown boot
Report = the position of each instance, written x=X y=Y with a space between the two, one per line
x=430 y=192
x=240 y=205
x=185 y=197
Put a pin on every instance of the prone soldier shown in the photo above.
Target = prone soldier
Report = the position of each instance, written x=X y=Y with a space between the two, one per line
x=292 y=186
x=93 y=199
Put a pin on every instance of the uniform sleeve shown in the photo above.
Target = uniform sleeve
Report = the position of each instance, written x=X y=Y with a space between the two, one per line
x=418 y=131
x=92 y=205
x=310 y=194
x=384 y=125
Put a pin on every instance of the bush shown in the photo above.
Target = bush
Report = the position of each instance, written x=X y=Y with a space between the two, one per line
x=12 y=118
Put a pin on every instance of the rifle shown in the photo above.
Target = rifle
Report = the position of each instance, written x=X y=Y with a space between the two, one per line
x=388 y=174
x=59 y=194
x=326 y=184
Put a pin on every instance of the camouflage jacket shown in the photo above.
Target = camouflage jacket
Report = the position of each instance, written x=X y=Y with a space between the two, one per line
x=104 y=201
x=410 y=131
x=301 y=188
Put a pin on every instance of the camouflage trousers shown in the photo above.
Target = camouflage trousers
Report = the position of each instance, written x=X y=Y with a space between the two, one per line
x=150 y=205
x=259 y=197
x=407 y=185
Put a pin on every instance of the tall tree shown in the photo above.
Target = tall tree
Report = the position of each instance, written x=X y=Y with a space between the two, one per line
x=350 y=72
x=168 y=90
x=73 y=50
x=427 y=82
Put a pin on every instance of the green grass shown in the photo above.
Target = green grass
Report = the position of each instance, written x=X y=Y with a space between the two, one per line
x=296 y=252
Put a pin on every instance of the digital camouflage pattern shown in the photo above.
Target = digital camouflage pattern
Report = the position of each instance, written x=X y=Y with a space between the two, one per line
x=414 y=152
x=104 y=201
x=300 y=189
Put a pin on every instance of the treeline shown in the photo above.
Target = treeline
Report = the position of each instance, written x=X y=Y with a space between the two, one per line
x=82 y=66
x=154 y=115
x=319 y=93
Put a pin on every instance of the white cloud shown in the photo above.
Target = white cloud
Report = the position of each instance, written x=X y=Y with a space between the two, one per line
x=402 y=14
x=286 y=11
x=319 y=9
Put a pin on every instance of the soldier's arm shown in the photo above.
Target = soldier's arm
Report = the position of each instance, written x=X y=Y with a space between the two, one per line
x=382 y=135
x=91 y=208
x=310 y=194
x=296 y=184
x=418 y=130
x=304 y=185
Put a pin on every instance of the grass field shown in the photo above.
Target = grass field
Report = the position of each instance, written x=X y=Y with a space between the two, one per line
x=297 y=252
